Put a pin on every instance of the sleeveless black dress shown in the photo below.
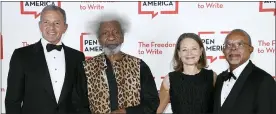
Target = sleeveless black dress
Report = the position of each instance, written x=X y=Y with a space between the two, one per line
x=191 y=94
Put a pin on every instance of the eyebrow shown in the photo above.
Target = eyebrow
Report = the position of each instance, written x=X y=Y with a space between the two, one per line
x=234 y=41
x=192 y=47
x=49 y=20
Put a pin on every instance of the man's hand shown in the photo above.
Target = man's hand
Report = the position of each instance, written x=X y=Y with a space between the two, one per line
x=120 y=111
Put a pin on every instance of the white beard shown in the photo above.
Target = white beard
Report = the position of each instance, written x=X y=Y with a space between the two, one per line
x=112 y=49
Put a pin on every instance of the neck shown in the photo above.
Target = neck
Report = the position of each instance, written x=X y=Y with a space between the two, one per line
x=53 y=42
x=233 y=67
x=115 y=57
x=190 y=69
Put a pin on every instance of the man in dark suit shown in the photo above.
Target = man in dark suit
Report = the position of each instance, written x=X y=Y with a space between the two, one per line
x=42 y=76
x=244 y=88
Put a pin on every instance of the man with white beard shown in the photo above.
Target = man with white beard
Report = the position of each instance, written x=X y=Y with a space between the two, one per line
x=117 y=82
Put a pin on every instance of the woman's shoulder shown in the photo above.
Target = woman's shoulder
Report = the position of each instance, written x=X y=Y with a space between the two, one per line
x=210 y=73
x=207 y=71
x=172 y=73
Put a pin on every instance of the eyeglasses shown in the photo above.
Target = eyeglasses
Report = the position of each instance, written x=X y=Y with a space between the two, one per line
x=238 y=45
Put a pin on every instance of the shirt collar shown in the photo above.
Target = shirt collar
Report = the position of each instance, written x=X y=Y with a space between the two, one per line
x=239 y=69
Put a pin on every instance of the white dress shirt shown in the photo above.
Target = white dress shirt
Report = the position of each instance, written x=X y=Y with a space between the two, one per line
x=228 y=85
x=56 y=65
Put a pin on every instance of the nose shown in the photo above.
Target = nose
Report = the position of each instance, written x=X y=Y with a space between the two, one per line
x=111 y=37
x=233 y=47
x=189 y=52
x=51 y=26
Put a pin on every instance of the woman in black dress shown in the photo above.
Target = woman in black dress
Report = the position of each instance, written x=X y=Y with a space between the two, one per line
x=190 y=86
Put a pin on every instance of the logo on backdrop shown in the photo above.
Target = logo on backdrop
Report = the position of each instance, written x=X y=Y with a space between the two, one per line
x=154 y=47
x=35 y=7
x=267 y=6
x=93 y=5
x=154 y=8
x=89 y=45
x=210 y=5
x=213 y=42
x=266 y=46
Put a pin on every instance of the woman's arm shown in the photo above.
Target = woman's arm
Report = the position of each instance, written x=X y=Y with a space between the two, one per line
x=164 y=95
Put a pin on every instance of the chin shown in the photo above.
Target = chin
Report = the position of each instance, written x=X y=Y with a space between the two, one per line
x=234 y=62
x=190 y=63
x=51 y=38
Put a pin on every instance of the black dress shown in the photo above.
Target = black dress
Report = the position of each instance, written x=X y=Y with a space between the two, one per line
x=191 y=94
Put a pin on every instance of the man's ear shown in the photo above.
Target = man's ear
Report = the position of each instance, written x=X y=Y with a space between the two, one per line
x=101 y=42
x=123 y=38
x=223 y=51
x=65 y=28
x=251 y=49
x=39 y=25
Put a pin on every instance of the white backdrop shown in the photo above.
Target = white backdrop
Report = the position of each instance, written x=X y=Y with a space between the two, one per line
x=1 y=53
x=151 y=23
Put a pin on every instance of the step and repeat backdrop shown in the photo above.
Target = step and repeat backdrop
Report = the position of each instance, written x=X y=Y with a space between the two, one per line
x=155 y=27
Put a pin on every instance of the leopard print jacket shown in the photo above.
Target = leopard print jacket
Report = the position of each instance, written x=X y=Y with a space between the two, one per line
x=127 y=74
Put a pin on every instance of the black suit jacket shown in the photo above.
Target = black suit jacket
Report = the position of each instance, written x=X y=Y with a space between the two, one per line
x=253 y=93
x=29 y=87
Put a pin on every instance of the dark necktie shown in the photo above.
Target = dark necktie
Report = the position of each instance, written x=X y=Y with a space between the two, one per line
x=229 y=76
x=51 y=47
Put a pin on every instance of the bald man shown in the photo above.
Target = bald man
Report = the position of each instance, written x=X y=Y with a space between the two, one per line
x=244 y=88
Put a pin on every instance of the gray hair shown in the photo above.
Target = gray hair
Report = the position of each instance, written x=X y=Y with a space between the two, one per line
x=242 y=31
x=53 y=8
x=94 y=25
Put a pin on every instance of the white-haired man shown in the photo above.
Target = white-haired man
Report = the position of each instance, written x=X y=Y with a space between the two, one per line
x=118 y=82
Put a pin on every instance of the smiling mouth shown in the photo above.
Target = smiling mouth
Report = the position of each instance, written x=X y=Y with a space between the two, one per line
x=189 y=57
x=52 y=32
x=112 y=46
x=234 y=55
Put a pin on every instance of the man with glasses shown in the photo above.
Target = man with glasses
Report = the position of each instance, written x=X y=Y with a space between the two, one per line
x=244 y=88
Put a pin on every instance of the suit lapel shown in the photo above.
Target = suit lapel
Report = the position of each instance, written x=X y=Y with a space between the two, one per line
x=219 y=84
x=231 y=99
x=68 y=69
x=42 y=68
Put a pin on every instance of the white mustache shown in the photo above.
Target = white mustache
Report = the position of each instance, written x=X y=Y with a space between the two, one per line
x=110 y=49
x=110 y=46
